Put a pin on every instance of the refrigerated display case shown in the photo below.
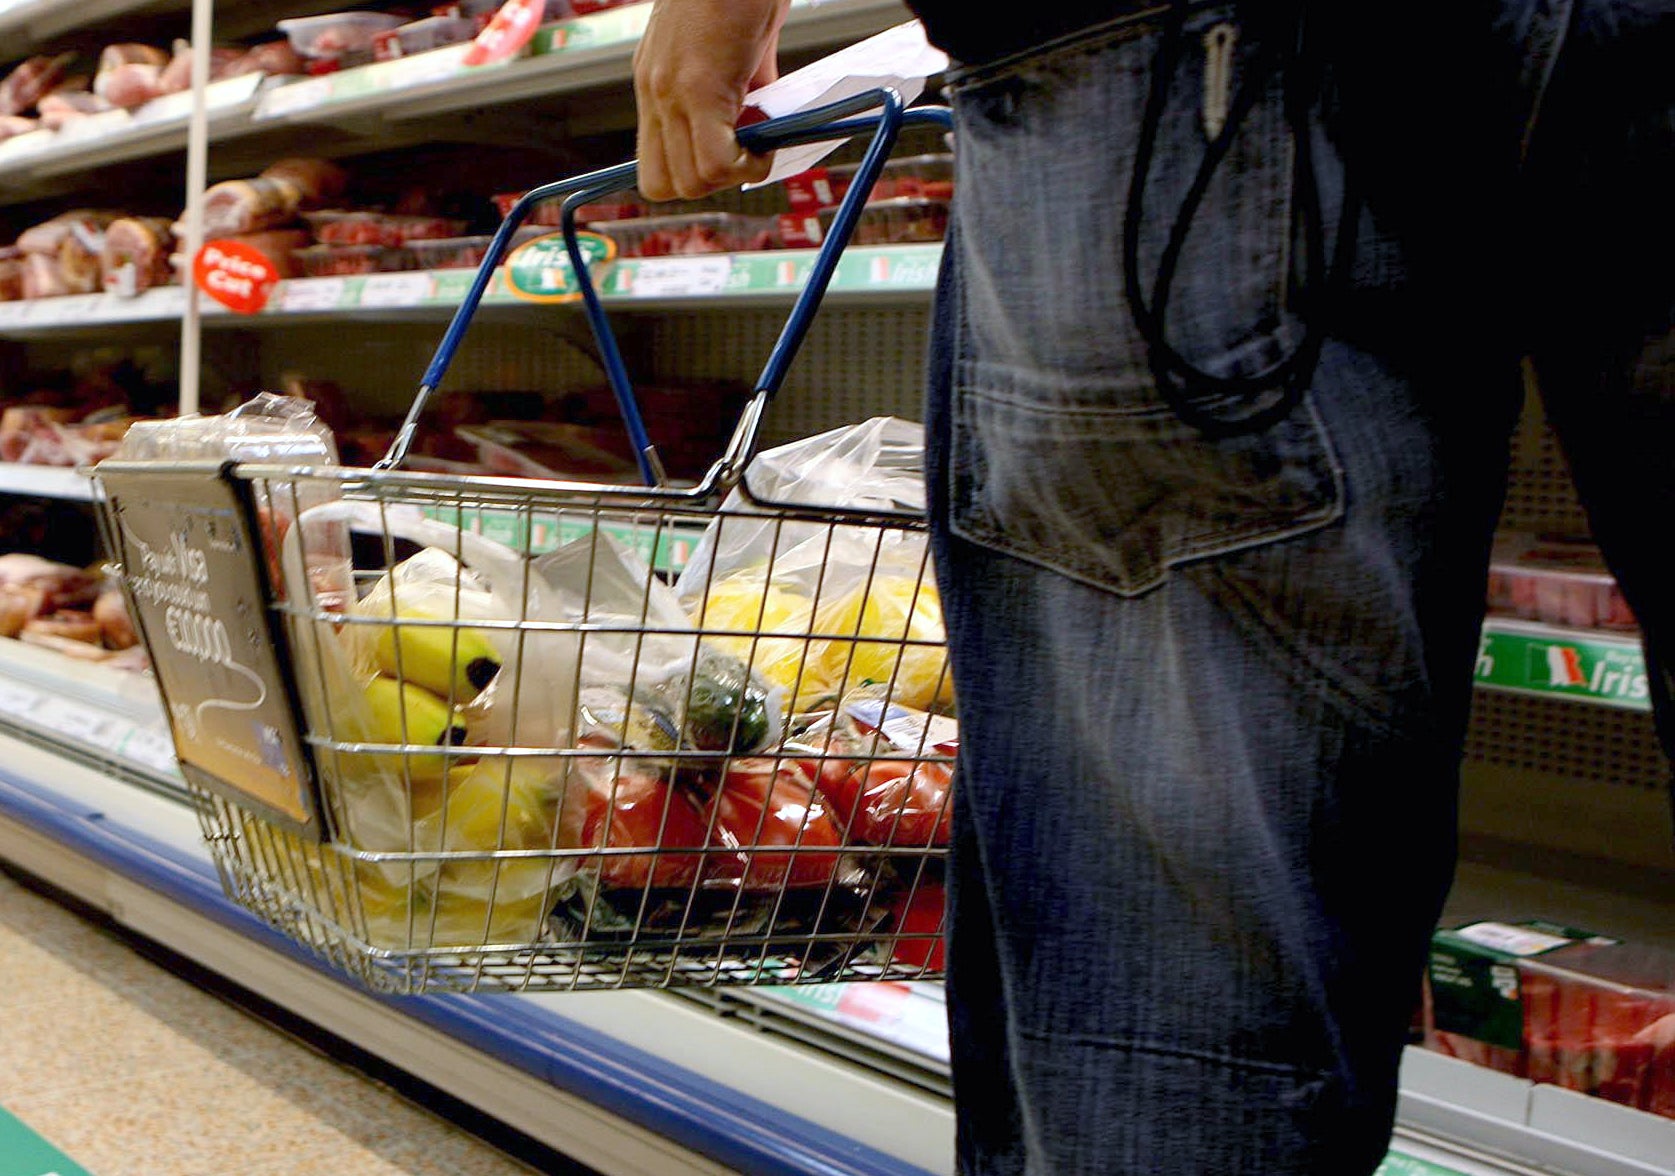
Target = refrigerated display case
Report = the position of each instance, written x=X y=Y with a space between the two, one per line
x=1564 y=814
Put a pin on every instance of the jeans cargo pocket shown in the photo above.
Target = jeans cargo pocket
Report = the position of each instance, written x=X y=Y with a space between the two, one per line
x=1115 y=496
x=1064 y=451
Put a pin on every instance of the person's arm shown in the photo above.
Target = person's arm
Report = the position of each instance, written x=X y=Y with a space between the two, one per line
x=692 y=69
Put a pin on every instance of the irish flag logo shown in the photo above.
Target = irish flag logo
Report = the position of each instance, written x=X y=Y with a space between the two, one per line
x=1557 y=665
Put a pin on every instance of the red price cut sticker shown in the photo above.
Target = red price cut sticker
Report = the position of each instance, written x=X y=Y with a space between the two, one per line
x=236 y=274
x=512 y=28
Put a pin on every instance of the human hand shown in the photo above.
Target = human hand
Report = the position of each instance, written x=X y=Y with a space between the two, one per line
x=692 y=69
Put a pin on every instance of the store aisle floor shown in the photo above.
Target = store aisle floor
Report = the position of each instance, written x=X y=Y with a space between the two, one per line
x=130 y=1070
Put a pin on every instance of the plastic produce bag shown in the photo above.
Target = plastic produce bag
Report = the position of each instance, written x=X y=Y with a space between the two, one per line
x=818 y=608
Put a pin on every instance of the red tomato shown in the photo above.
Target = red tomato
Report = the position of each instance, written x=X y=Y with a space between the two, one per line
x=895 y=802
x=920 y=913
x=764 y=802
x=635 y=816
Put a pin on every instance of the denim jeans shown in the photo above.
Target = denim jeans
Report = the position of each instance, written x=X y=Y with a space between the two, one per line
x=1214 y=691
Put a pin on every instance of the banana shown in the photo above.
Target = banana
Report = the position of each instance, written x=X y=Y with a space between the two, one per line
x=450 y=663
x=404 y=713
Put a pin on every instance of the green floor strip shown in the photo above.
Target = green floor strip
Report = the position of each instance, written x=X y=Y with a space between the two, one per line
x=23 y=1153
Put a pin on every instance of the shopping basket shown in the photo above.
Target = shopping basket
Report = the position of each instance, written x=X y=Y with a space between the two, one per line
x=472 y=733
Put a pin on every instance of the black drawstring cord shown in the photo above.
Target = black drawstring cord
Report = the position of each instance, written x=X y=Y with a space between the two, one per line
x=1187 y=388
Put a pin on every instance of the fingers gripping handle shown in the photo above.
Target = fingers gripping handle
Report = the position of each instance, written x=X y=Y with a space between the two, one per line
x=824 y=124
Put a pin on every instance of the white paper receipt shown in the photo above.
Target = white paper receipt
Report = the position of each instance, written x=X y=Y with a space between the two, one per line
x=899 y=58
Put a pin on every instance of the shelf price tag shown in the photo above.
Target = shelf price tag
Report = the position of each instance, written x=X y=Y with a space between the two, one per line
x=153 y=749
x=408 y=289
x=14 y=313
x=18 y=701
x=77 y=722
x=305 y=294
x=236 y=274
x=677 y=277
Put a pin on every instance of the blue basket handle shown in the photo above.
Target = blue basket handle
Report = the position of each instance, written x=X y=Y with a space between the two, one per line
x=813 y=126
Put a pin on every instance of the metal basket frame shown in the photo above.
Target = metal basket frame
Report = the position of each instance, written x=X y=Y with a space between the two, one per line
x=319 y=894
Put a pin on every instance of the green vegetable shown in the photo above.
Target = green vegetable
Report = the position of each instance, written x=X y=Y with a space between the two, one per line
x=724 y=706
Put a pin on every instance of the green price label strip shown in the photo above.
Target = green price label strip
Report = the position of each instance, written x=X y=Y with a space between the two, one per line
x=666 y=549
x=1397 y=1164
x=23 y=1153
x=1599 y=670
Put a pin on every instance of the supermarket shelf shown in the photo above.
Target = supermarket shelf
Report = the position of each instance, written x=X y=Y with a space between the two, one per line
x=722 y=281
x=45 y=481
x=628 y=1082
x=109 y=719
x=40 y=162
x=571 y=55
x=584 y=53
x=1600 y=668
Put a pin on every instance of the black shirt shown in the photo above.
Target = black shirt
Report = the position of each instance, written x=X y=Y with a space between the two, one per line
x=972 y=34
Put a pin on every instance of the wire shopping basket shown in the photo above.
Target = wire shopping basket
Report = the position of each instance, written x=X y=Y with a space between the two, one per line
x=473 y=734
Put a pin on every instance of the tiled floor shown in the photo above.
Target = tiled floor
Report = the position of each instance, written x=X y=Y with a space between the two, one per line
x=131 y=1070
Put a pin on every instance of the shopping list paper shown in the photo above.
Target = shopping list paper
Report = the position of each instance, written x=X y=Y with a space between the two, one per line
x=899 y=58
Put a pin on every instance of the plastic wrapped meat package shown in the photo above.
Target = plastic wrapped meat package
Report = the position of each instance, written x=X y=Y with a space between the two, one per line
x=1556 y=581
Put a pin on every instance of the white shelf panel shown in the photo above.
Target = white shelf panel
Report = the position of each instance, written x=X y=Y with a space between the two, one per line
x=45 y=482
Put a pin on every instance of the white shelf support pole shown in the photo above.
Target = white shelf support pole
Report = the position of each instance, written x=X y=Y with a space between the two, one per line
x=197 y=174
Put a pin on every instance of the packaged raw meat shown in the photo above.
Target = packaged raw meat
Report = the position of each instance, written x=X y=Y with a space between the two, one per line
x=78 y=259
x=115 y=627
x=337 y=34
x=274 y=58
x=698 y=232
x=18 y=606
x=41 y=277
x=246 y=206
x=136 y=255
x=1556 y=581
x=277 y=245
x=48 y=237
x=318 y=181
x=378 y=228
x=11 y=274
x=320 y=261
x=421 y=36
x=1599 y=1017
x=901 y=221
x=61 y=586
x=32 y=80
x=130 y=75
x=464 y=252
x=548 y=212
x=62 y=107
x=927 y=177
x=224 y=62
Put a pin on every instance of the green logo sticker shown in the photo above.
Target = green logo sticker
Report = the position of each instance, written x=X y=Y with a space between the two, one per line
x=539 y=270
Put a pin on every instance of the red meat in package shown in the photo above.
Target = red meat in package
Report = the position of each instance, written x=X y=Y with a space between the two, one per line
x=1600 y=1019
x=885 y=769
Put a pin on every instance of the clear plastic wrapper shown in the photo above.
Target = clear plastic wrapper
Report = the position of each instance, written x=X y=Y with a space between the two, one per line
x=463 y=252
x=1557 y=582
x=692 y=233
x=334 y=35
x=379 y=228
x=901 y=221
x=819 y=609
x=421 y=36
x=322 y=261
x=1600 y=1018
